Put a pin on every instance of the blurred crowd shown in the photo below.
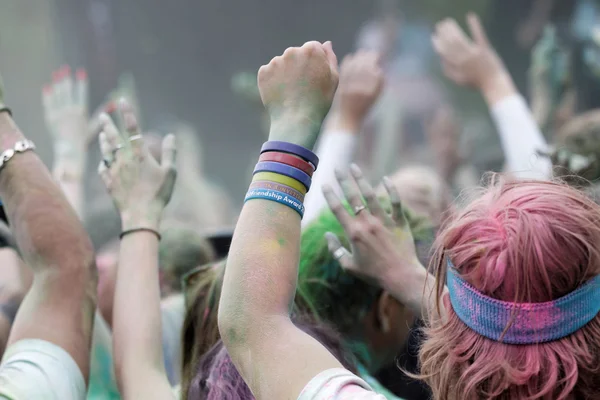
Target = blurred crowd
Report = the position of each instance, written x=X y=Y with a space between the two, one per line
x=425 y=263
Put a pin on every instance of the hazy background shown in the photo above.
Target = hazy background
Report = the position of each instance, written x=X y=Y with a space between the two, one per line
x=183 y=54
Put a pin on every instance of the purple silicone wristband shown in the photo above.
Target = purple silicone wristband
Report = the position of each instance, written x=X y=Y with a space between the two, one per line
x=295 y=173
x=291 y=148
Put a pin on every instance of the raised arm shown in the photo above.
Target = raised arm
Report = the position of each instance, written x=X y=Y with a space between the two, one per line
x=58 y=311
x=140 y=188
x=474 y=63
x=361 y=81
x=275 y=358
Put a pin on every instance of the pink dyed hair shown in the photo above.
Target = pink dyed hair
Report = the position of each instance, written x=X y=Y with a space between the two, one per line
x=523 y=242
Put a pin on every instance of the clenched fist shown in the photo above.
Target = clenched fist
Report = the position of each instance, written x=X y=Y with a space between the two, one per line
x=297 y=89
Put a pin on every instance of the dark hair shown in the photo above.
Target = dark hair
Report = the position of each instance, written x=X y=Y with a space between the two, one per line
x=218 y=379
x=200 y=331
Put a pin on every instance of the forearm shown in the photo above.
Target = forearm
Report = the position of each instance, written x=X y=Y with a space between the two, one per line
x=519 y=133
x=521 y=139
x=260 y=277
x=262 y=266
x=136 y=317
x=43 y=222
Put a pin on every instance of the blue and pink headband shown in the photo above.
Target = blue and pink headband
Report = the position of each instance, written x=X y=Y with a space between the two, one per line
x=523 y=323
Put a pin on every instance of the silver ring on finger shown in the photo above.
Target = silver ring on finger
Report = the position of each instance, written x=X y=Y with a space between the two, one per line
x=358 y=209
x=135 y=137
x=339 y=253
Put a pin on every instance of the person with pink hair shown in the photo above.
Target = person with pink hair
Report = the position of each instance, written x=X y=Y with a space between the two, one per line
x=517 y=292
x=517 y=275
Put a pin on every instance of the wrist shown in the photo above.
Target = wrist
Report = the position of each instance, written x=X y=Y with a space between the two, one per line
x=497 y=87
x=298 y=129
x=346 y=122
x=139 y=219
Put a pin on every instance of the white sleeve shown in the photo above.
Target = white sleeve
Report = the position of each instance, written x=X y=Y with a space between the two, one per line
x=37 y=369
x=338 y=384
x=521 y=138
x=336 y=151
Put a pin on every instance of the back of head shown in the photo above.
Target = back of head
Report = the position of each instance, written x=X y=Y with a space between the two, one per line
x=182 y=249
x=520 y=242
x=200 y=329
x=423 y=190
x=218 y=379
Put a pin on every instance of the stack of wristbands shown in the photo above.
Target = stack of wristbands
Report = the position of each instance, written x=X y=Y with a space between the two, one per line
x=283 y=174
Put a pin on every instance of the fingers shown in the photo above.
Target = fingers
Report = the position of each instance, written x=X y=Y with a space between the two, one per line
x=368 y=194
x=169 y=152
x=477 y=31
x=81 y=88
x=349 y=189
x=48 y=99
x=339 y=252
x=130 y=124
x=397 y=213
x=105 y=148
x=331 y=57
x=113 y=138
x=336 y=206
x=67 y=86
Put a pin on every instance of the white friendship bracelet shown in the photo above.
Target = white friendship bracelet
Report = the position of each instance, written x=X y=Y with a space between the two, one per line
x=20 y=147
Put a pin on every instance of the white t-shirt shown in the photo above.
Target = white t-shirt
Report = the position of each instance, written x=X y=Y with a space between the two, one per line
x=338 y=384
x=36 y=369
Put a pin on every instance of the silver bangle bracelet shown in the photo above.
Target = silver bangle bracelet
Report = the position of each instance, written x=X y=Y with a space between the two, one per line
x=20 y=147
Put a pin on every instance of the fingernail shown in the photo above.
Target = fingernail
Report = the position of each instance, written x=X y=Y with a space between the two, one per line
x=110 y=107
x=355 y=169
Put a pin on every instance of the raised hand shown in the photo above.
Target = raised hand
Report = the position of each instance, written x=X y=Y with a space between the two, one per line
x=138 y=184
x=297 y=89
x=65 y=103
x=468 y=61
x=361 y=81
x=382 y=244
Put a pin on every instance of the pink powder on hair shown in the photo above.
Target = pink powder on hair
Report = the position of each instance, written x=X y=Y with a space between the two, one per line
x=525 y=242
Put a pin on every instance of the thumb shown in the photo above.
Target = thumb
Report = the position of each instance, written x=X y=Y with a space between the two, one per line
x=333 y=63
x=339 y=252
x=477 y=32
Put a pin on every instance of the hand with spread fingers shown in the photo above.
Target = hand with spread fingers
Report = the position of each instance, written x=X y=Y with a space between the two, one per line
x=65 y=104
x=382 y=244
x=138 y=184
x=471 y=61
